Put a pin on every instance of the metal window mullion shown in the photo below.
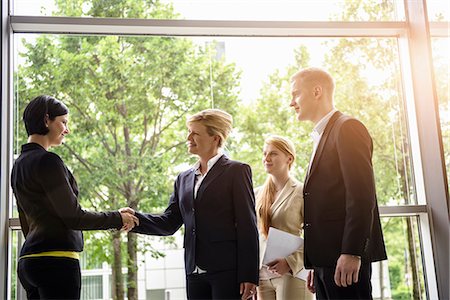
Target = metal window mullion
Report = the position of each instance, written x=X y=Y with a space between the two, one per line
x=430 y=176
x=74 y=25
x=6 y=149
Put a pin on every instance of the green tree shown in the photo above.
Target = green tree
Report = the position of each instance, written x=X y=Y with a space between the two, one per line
x=128 y=99
x=354 y=63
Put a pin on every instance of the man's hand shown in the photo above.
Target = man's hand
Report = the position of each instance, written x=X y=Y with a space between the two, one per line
x=310 y=282
x=279 y=266
x=347 y=270
x=247 y=290
x=129 y=220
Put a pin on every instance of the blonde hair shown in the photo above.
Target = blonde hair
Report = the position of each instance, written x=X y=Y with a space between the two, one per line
x=315 y=76
x=266 y=196
x=216 y=121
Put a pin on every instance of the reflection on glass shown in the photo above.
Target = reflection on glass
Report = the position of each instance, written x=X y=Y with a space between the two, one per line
x=162 y=269
x=129 y=97
x=441 y=64
x=270 y=10
x=16 y=239
x=438 y=10
x=406 y=271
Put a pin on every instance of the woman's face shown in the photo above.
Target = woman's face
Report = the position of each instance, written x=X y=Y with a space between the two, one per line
x=199 y=142
x=58 y=129
x=275 y=161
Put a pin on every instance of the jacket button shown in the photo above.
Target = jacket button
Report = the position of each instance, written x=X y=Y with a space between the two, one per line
x=306 y=194
x=307 y=225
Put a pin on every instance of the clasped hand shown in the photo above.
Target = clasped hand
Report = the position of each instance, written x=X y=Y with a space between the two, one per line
x=278 y=266
x=129 y=220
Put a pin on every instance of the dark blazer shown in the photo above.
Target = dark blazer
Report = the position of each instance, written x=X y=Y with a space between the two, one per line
x=50 y=215
x=220 y=224
x=341 y=211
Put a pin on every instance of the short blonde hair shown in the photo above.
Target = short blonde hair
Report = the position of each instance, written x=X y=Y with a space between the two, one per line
x=315 y=76
x=216 y=121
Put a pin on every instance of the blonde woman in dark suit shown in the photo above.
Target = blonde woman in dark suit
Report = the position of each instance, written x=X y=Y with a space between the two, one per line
x=214 y=201
x=279 y=204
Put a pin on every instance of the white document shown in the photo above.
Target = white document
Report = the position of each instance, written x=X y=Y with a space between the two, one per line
x=281 y=244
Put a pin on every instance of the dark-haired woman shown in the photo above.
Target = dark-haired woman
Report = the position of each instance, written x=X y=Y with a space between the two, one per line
x=50 y=215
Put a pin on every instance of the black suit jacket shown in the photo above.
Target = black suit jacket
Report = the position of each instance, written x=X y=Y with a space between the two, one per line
x=50 y=215
x=341 y=211
x=220 y=224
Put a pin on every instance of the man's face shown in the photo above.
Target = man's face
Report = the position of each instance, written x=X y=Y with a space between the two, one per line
x=303 y=100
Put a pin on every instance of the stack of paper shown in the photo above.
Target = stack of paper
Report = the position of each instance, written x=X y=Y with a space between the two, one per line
x=281 y=244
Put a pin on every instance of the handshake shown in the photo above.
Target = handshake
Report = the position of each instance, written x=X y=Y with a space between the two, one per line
x=129 y=220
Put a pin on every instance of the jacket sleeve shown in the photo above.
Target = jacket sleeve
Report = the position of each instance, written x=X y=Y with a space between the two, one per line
x=163 y=224
x=62 y=199
x=246 y=228
x=354 y=147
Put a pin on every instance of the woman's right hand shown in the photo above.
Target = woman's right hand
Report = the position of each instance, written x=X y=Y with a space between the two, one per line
x=129 y=220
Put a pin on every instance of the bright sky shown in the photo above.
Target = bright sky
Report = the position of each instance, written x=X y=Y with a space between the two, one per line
x=256 y=57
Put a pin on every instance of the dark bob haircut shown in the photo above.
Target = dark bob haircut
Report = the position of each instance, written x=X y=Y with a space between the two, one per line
x=38 y=109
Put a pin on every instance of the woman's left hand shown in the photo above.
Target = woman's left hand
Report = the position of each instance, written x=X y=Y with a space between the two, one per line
x=279 y=266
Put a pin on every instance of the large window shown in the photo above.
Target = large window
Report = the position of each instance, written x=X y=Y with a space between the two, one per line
x=441 y=60
x=255 y=10
x=130 y=82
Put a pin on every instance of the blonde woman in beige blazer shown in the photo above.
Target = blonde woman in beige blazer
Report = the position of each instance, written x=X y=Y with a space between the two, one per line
x=279 y=204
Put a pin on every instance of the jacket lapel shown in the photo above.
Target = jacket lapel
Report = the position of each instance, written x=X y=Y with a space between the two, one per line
x=215 y=171
x=287 y=191
x=321 y=145
x=190 y=181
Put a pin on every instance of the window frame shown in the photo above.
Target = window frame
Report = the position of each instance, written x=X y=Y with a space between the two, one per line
x=421 y=102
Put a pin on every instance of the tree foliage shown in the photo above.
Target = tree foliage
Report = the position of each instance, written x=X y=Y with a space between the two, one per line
x=128 y=99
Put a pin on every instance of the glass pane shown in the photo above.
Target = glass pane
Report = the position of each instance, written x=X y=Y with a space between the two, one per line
x=91 y=287
x=405 y=261
x=93 y=75
x=15 y=240
x=438 y=10
x=400 y=277
x=279 y=10
x=129 y=97
x=441 y=63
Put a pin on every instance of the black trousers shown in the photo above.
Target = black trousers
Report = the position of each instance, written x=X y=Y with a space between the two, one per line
x=218 y=285
x=50 y=277
x=326 y=288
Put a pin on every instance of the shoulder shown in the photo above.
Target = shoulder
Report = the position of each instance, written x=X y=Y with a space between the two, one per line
x=235 y=164
x=346 y=122
x=51 y=168
x=297 y=186
x=51 y=159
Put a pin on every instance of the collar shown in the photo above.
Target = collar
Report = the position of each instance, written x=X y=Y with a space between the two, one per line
x=32 y=146
x=320 y=126
x=211 y=162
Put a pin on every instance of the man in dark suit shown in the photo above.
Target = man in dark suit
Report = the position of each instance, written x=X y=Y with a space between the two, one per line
x=214 y=200
x=342 y=225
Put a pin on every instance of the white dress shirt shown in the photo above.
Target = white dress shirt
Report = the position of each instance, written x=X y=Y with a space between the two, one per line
x=198 y=181
x=317 y=133
x=198 y=174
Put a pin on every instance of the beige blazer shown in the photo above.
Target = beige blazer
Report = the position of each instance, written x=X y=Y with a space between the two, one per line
x=287 y=215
